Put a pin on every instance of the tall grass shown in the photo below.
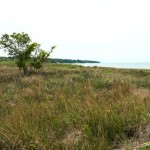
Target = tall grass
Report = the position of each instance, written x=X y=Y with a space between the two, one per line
x=71 y=107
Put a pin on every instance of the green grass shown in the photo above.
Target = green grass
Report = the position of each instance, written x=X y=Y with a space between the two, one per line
x=72 y=107
x=145 y=147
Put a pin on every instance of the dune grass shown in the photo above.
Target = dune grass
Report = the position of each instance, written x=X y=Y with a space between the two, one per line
x=73 y=107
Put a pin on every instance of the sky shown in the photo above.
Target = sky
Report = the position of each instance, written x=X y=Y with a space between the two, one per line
x=102 y=30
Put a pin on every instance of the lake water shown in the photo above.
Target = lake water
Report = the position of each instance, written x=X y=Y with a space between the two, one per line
x=119 y=65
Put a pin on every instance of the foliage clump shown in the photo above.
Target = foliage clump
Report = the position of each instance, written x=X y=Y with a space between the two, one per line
x=29 y=56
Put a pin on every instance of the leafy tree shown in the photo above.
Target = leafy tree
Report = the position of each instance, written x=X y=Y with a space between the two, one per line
x=28 y=54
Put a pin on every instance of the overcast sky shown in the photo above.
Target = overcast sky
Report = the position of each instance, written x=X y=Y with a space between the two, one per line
x=104 y=30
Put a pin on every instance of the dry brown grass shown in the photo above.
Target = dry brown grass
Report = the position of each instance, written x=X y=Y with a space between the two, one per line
x=73 y=107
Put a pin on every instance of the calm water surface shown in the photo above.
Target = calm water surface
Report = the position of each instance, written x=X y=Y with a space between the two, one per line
x=119 y=65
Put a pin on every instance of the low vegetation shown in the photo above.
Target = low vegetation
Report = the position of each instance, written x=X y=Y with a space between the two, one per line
x=73 y=107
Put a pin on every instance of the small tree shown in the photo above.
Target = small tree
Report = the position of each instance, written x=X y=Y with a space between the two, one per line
x=28 y=54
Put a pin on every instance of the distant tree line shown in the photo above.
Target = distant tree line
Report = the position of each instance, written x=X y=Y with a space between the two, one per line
x=6 y=58
x=55 y=60
x=58 y=60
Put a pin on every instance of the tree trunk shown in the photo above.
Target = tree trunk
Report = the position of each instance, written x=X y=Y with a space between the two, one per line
x=25 y=71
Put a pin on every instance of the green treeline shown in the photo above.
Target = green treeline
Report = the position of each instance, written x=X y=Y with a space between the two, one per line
x=56 y=60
